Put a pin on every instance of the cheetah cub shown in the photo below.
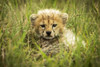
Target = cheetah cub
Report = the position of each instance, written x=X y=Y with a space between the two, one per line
x=50 y=32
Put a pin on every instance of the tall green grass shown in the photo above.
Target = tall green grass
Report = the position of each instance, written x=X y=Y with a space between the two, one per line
x=84 y=20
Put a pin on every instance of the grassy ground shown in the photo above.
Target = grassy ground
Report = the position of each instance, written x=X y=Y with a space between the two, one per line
x=84 y=20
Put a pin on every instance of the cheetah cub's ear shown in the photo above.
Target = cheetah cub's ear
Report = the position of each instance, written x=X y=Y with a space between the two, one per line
x=64 y=17
x=33 y=18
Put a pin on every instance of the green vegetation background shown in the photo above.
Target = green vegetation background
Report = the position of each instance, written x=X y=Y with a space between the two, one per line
x=84 y=20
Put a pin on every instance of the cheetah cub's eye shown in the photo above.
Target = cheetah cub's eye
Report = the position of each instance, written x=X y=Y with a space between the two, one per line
x=42 y=26
x=54 y=25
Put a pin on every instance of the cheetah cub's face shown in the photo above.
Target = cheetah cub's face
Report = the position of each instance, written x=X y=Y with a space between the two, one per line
x=48 y=23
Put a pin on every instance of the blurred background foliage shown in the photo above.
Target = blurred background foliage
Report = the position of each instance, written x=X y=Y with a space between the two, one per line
x=84 y=20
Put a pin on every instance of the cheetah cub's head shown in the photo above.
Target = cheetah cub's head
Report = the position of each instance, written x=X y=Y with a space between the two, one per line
x=49 y=23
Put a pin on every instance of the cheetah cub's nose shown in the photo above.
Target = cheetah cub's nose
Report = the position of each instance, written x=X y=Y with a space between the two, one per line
x=48 y=33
